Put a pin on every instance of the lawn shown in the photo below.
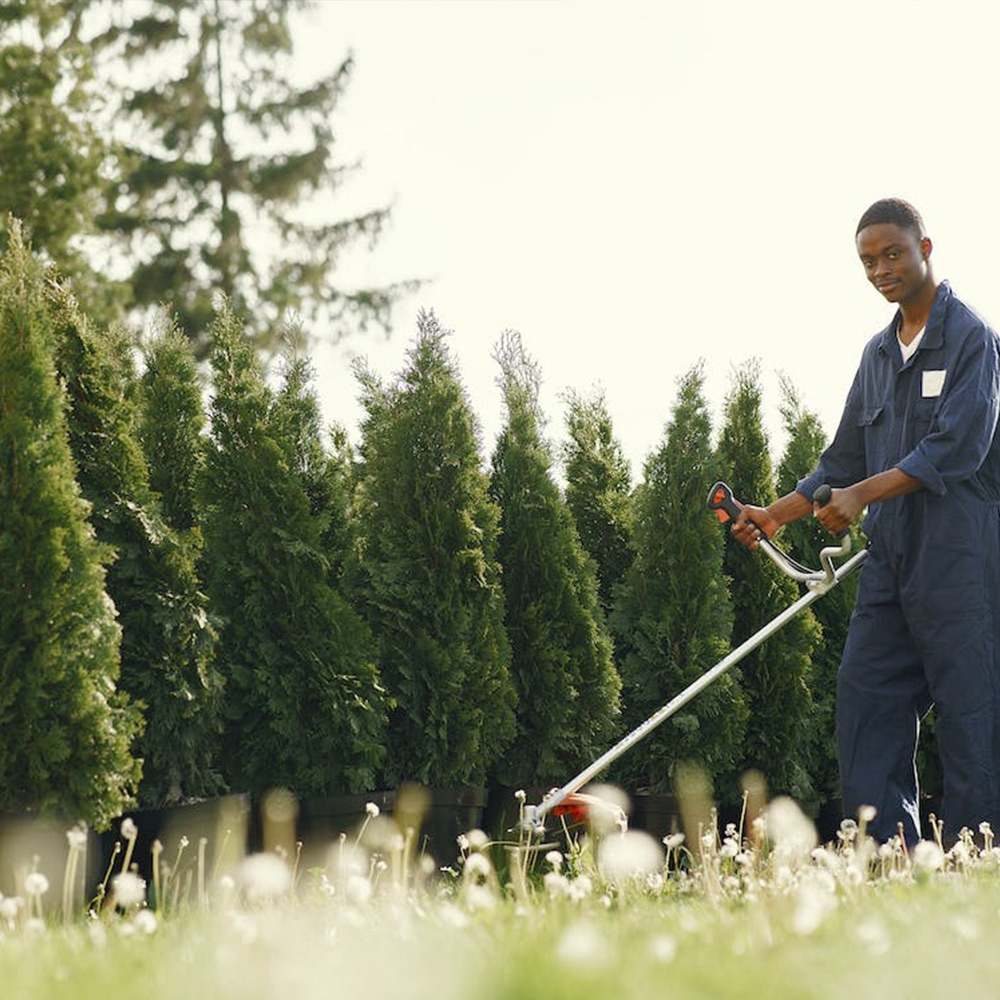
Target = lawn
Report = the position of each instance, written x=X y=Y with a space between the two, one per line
x=763 y=912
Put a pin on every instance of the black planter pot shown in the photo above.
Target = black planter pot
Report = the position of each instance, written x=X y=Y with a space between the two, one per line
x=656 y=813
x=25 y=838
x=322 y=819
x=218 y=827
x=438 y=816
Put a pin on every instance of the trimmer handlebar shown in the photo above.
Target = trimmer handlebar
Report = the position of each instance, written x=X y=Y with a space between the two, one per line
x=727 y=508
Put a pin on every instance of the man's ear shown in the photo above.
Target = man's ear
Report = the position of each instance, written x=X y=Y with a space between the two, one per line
x=926 y=247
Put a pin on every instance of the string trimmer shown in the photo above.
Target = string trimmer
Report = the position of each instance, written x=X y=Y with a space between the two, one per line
x=567 y=799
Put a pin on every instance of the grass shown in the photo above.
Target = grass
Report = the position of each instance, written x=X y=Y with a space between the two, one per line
x=761 y=913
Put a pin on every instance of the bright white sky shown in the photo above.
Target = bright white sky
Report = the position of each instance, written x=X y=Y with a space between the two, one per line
x=635 y=186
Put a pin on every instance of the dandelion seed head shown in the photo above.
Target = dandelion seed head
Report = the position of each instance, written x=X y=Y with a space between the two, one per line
x=556 y=884
x=873 y=936
x=927 y=856
x=867 y=813
x=145 y=922
x=792 y=832
x=372 y=809
x=520 y=795
x=629 y=855
x=264 y=877
x=478 y=839
x=358 y=890
x=128 y=828
x=129 y=890
x=555 y=859
x=463 y=842
x=77 y=838
x=583 y=944
x=477 y=866
x=673 y=841
x=9 y=907
x=36 y=884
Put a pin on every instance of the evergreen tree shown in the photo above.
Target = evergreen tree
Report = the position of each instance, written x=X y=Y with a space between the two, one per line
x=598 y=487
x=562 y=663
x=673 y=617
x=774 y=675
x=223 y=156
x=803 y=540
x=65 y=731
x=51 y=152
x=172 y=428
x=168 y=642
x=304 y=705
x=426 y=572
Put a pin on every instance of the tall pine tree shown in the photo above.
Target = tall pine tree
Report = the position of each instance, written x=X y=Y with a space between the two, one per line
x=562 y=663
x=65 y=729
x=223 y=158
x=673 y=617
x=774 y=675
x=52 y=154
x=426 y=571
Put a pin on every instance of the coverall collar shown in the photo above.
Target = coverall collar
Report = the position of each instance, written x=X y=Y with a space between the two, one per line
x=933 y=332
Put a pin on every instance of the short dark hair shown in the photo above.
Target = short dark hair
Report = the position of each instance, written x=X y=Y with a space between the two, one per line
x=895 y=211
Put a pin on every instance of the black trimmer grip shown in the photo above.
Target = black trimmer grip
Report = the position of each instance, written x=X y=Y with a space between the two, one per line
x=722 y=501
x=823 y=494
x=822 y=497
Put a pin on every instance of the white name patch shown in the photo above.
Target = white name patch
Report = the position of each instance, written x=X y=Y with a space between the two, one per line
x=933 y=382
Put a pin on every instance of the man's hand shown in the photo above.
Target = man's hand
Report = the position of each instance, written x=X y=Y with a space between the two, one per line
x=753 y=524
x=842 y=509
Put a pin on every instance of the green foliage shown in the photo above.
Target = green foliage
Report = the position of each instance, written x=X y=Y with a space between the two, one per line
x=65 y=731
x=222 y=156
x=168 y=641
x=304 y=705
x=561 y=662
x=172 y=428
x=598 y=487
x=426 y=573
x=803 y=539
x=673 y=617
x=774 y=675
x=51 y=152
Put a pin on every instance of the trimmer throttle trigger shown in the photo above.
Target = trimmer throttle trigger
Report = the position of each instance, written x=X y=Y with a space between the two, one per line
x=722 y=501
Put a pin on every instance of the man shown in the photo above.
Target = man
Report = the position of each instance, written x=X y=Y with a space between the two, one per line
x=917 y=446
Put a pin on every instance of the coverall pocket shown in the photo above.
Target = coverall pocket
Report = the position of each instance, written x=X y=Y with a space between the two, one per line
x=923 y=414
x=874 y=423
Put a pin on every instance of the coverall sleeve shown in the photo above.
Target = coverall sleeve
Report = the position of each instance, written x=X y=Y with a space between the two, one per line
x=962 y=430
x=843 y=461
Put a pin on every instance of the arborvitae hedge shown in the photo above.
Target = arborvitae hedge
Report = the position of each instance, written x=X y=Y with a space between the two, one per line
x=167 y=639
x=562 y=664
x=774 y=675
x=304 y=706
x=426 y=573
x=673 y=617
x=65 y=731
x=598 y=491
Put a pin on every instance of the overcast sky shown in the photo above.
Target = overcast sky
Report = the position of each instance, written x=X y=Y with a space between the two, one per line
x=636 y=186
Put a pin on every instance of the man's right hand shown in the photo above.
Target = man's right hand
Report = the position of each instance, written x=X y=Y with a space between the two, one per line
x=753 y=524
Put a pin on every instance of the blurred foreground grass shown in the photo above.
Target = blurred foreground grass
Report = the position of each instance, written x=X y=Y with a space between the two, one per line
x=759 y=913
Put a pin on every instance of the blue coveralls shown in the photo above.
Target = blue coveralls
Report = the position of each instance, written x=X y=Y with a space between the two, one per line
x=926 y=627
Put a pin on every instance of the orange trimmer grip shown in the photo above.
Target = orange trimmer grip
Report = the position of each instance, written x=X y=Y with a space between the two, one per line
x=722 y=501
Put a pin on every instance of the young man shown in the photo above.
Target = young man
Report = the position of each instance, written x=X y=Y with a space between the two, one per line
x=918 y=447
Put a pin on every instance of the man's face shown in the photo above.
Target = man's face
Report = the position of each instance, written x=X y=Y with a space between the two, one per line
x=895 y=260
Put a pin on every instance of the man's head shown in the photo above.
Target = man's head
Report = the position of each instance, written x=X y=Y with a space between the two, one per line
x=895 y=250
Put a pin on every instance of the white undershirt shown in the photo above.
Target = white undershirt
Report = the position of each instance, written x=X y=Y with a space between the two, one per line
x=910 y=348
